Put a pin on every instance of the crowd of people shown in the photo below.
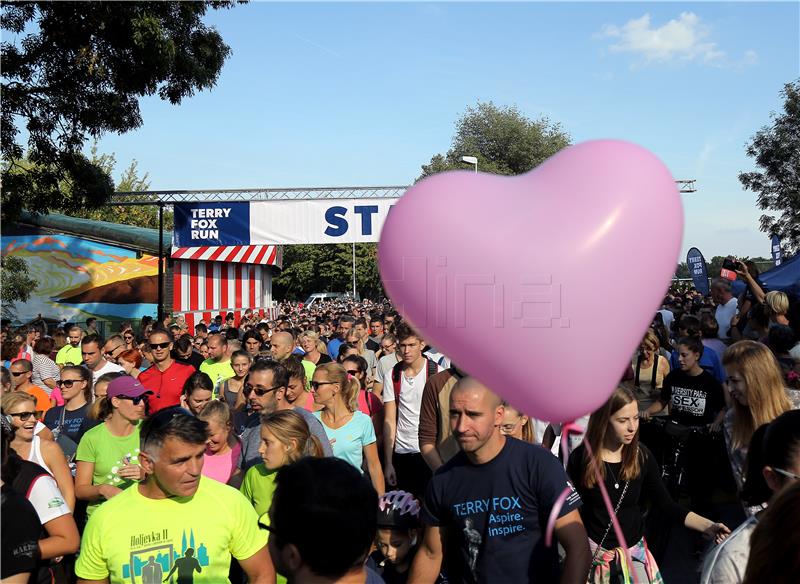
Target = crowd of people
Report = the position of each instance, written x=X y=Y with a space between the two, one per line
x=333 y=444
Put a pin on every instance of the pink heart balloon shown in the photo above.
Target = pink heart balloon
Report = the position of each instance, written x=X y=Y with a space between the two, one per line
x=539 y=285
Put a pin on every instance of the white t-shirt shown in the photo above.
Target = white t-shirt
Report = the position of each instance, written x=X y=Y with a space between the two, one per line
x=385 y=364
x=47 y=499
x=724 y=314
x=407 y=434
x=109 y=367
x=667 y=317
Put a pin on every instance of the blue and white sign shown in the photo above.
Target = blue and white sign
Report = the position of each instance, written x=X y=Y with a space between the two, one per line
x=198 y=224
x=280 y=222
x=777 y=254
x=698 y=270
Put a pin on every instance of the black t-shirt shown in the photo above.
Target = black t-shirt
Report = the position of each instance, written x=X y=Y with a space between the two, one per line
x=74 y=421
x=195 y=359
x=693 y=401
x=494 y=515
x=20 y=534
x=644 y=489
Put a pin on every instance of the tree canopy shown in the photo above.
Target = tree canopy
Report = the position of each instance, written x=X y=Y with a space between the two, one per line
x=76 y=70
x=502 y=138
x=776 y=151
x=328 y=268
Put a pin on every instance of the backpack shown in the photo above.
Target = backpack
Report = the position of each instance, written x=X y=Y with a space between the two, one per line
x=397 y=372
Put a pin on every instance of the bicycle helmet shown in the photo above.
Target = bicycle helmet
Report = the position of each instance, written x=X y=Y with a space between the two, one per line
x=398 y=510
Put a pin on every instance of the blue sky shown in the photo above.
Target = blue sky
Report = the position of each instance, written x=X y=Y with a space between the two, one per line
x=363 y=94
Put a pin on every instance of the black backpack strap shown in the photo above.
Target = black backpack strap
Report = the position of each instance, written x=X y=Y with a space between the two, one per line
x=636 y=371
x=655 y=371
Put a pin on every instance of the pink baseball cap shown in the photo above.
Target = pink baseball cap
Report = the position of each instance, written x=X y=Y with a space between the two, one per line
x=126 y=386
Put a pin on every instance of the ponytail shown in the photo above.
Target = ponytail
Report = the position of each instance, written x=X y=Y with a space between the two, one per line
x=349 y=385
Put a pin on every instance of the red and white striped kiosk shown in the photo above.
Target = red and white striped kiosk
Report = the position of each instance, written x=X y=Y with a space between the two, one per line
x=212 y=280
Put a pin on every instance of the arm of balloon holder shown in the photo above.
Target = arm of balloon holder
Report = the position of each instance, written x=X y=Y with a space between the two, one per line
x=566 y=430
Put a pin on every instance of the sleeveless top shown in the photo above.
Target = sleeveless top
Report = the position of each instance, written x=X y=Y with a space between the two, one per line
x=35 y=454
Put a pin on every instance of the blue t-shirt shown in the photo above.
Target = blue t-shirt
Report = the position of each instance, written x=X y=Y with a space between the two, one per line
x=333 y=348
x=709 y=361
x=348 y=442
x=494 y=515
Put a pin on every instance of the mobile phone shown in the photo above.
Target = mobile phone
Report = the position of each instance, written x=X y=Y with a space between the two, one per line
x=729 y=266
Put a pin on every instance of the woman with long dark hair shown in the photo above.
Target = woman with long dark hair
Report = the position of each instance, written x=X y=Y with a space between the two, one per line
x=631 y=477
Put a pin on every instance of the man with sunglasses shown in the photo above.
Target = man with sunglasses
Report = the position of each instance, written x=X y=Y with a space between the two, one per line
x=113 y=347
x=92 y=355
x=195 y=523
x=21 y=371
x=263 y=380
x=166 y=376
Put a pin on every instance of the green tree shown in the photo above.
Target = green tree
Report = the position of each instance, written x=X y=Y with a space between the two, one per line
x=16 y=284
x=328 y=268
x=130 y=181
x=776 y=151
x=503 y=140
x=73 y=70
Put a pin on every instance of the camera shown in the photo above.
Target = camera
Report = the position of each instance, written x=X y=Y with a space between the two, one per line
x=729 y=267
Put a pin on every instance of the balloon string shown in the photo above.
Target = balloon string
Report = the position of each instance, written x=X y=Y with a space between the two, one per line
x=566 y=429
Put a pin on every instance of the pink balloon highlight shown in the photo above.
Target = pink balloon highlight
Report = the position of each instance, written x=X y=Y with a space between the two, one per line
x=527 y=269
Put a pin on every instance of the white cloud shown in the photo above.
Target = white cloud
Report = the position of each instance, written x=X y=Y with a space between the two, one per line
x=685 y=38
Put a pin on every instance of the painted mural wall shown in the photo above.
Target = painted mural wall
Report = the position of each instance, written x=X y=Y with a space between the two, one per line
x=80 y=278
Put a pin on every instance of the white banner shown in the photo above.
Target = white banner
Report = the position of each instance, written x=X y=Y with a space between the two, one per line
x=319 y=221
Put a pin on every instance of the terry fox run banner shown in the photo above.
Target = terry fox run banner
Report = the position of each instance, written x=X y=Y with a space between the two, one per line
x=280 y=222
x=698 y=270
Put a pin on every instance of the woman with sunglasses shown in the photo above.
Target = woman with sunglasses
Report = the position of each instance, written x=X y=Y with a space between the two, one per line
x=76 y=388
x=368 y=403
x=129 y=338
x=773 y=462
x=351 y=433
x=108 y=454
x=19 y=407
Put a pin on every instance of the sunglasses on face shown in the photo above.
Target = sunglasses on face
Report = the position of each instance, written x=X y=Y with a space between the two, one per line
x=154 y=346
x=111 y=352
x=18 y=373
x=24 y=416
x=315 y=384
x=68 y=383
x=134 y=400
x=354 y=371
x=128 y=338
x=248 y=389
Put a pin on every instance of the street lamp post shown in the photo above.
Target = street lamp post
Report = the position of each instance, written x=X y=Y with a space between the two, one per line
x=470 y=160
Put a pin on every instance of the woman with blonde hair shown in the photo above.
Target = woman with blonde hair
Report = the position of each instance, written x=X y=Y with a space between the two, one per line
x=350 y=432
x=778 y=304
x=222 y=446
x=649 y=369
x=309 y=342
x=20 y=408
x=630 y=474
x=353 y=339
x=517 y=425
x=758 y=396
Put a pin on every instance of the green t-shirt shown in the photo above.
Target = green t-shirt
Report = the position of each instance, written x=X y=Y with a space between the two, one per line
x=135 y=539
x=69 y=354
x=258 y=487
x=108 y=453
x=218 y=372
x=309 y=367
